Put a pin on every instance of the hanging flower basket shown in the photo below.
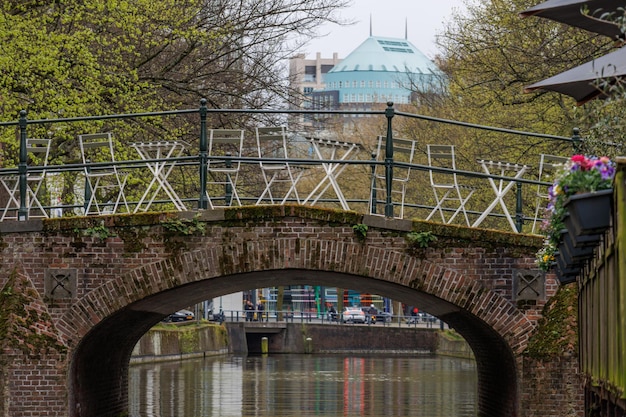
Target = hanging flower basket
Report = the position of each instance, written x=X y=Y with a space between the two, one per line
x=565 y=273
x=575 y=254
x=590 y=212
x=580 y=175
x=580 y=241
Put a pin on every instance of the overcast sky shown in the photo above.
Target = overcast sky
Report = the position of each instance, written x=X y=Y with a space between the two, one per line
x=425 y=18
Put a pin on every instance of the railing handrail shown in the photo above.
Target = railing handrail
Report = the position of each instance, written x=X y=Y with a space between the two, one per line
x=202 y=158
x=297 y=316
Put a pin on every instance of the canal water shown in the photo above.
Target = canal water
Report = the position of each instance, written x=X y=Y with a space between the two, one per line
x=305 y=385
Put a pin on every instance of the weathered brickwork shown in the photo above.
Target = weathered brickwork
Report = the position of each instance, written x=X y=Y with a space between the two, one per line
x=554 y=385
x=130 y=271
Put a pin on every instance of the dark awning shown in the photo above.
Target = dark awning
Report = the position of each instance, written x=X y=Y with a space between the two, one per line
x=570 y=13
x=582 y=82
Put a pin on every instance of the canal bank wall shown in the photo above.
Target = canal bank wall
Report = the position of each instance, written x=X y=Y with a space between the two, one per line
x=178 y=341
x=166 y=342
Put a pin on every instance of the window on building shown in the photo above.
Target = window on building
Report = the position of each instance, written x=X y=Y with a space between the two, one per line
x=370 y=83
x=309 y=73
x=396 y=46
x=362 y=83
x=378 y=84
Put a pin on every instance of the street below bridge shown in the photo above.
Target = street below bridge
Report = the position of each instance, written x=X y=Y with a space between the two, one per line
x=422 y=320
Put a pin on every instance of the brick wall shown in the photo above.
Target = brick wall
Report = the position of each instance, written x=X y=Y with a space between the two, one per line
x=123 y=283
x=553 y=385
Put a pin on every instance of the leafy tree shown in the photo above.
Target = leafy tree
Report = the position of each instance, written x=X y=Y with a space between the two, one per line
x=64 y=59
x=489 y=55
x=85 y=58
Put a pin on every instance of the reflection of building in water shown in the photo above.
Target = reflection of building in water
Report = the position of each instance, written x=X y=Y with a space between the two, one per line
x=226 y=388
x=305 y=386
x=354 y=387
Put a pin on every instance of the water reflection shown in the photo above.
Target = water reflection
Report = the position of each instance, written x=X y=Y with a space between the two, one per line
x=304 y=385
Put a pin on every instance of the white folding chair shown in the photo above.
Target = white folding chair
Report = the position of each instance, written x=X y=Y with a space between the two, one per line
x=403 y=151
x=38 y=152
x=223 y=174
x=272 y=143
x=104 y=181
x=548 y=166
x=450 y=196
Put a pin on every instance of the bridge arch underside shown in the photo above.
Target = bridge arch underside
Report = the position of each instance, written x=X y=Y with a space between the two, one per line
x=99 y=368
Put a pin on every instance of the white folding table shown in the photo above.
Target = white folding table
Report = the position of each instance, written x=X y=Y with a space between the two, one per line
x=500 y=187
x=326 y=149
x=166 y=153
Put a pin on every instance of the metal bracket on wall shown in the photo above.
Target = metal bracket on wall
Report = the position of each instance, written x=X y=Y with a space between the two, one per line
x=60 y=284
x=529 y=284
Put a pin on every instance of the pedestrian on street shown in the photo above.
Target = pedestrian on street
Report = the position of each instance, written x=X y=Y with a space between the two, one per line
x=260 y=309
x=249 y=308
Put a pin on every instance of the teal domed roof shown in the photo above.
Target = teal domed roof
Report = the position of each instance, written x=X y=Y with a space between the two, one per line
x=387 y=55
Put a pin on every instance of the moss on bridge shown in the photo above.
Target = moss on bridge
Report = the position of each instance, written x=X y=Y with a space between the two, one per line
x=557 y=331
x=185 y=223
x=25 y=325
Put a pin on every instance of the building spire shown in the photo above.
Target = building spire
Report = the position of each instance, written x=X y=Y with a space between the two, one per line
x=370 y=25
x=406 y=29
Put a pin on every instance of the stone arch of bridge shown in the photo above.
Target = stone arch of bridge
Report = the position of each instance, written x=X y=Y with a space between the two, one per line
x=103 y=327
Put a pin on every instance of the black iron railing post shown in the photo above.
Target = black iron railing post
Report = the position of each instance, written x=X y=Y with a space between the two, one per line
x=203 y=200
x=576 y=140
x=22 y=213
x=373 y=190
x=389 y=113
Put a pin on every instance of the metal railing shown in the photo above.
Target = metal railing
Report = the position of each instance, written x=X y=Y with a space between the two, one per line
x=192 y=183
x=290 y=316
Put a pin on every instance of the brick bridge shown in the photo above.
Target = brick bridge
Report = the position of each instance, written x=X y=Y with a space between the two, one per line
x=78 y=293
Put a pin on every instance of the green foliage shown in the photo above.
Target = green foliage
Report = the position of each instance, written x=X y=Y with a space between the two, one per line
x=360 y=230
x=100 y=231
x=557 y=331
x=421 y=239
x=72 y=59
x=492 y=54
x=184 y=227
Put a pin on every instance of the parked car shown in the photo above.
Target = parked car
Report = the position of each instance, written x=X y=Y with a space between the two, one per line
x=180 y=315
x=384 y=317
x=376 y=316
x=353 y=315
